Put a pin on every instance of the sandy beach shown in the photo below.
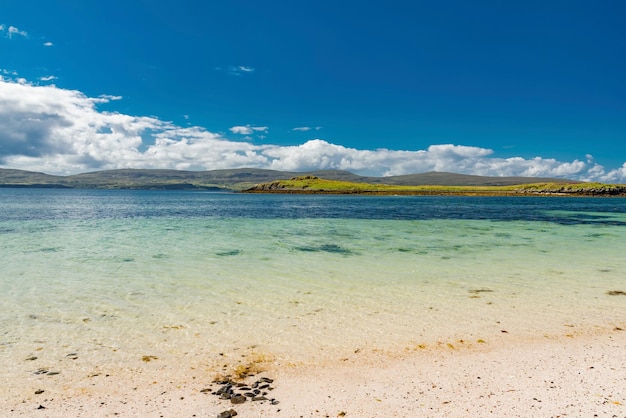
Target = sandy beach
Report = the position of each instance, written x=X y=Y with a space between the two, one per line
x=552 y=377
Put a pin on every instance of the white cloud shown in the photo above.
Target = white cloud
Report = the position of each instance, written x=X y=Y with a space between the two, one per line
x=242 y=130
x=105 y=98
x=59 y=131
x=306 y=128
x=11 y=73
x=237 y=70
x=12 y=30
x=597 y=173
x=48 y=44
x=248 y=130
x=48 y=78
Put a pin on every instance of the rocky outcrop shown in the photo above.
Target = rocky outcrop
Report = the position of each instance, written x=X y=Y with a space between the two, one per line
x=268 y=187
x=566 y=190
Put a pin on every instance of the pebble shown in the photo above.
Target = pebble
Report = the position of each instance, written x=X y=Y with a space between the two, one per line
x=39 y=392
x=237 y=399
x=227 y=414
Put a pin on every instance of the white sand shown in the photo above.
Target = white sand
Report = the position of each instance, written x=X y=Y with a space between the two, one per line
x=564 y=377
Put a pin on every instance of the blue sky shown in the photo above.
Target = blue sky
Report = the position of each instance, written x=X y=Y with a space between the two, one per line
x=393 y=87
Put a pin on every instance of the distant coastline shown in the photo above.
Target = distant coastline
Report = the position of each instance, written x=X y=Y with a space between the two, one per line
x=251 y=180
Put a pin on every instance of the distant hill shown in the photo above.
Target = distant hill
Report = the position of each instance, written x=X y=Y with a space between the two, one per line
x=238 y=179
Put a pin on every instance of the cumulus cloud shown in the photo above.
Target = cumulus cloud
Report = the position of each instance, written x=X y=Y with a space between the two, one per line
x=60 y=131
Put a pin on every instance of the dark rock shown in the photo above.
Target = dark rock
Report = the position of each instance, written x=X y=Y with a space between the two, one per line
x=259 y=398
x=237 y=399
x=223 y=382
x=225 y=389
x=249 y=394
x=39 y=392
x=610 y=293
x=227 y=414
x=267 y=380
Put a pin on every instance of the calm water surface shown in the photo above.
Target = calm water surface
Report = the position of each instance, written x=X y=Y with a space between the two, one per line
x=187 y=275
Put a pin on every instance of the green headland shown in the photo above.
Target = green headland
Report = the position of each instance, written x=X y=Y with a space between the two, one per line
x=316 y=185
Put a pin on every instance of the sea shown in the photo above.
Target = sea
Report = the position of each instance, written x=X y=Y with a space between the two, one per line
x=117 y=278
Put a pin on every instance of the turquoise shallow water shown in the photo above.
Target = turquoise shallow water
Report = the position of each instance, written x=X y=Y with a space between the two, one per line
x=187 y=276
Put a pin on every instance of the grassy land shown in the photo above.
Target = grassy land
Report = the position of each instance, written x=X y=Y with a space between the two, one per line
x=315 y=185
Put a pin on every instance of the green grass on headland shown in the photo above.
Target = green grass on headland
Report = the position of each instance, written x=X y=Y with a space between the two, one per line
x=315 y=185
